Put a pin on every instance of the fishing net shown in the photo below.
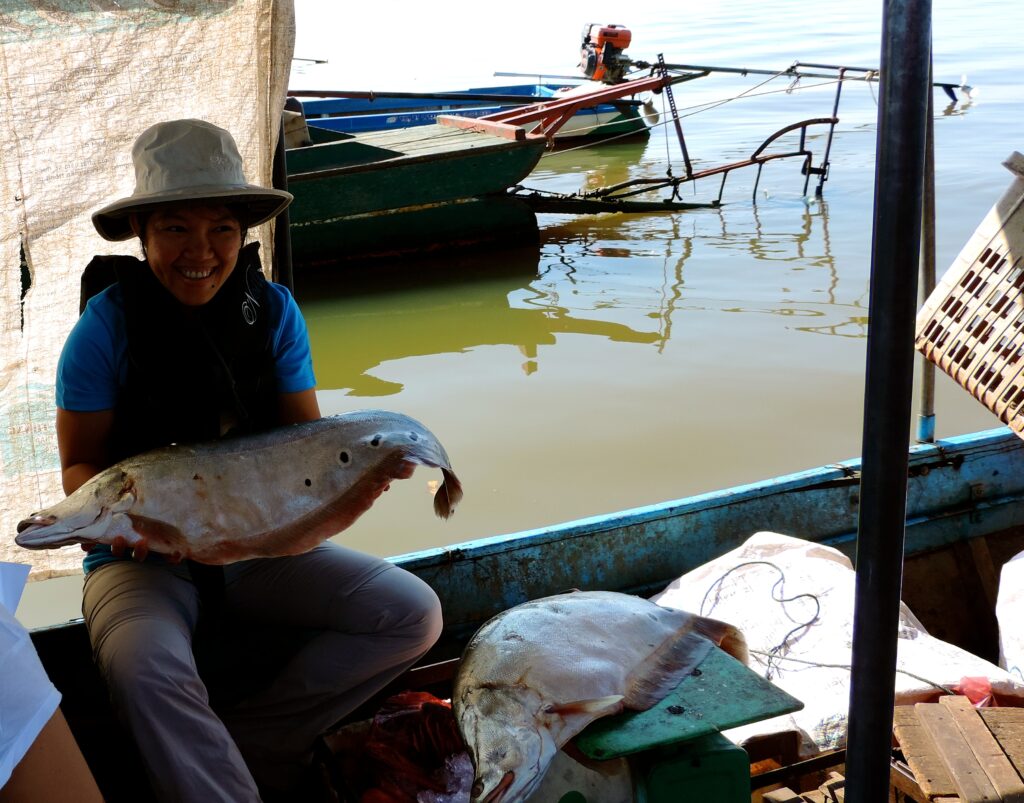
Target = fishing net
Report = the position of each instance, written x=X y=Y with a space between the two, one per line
x=81 y=79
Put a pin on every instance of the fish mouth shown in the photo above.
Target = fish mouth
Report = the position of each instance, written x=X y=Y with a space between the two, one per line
x=43 y=530
x=35 y=521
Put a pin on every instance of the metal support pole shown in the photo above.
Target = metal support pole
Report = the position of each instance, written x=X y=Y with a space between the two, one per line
x=281 y=270
x=823 y=176
x=675 y=119
x=926 y=418
x=899 y=174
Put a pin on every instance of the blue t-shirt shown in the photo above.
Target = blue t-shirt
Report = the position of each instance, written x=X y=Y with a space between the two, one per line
x=93 y=365
x=94 y=362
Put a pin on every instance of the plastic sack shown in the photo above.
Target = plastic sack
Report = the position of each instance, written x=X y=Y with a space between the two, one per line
x=794 y=600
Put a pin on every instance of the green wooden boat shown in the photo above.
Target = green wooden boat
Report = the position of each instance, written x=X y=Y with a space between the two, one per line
x=413 y=190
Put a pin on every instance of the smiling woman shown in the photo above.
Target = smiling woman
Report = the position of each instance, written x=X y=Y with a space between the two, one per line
x=192 y=343
x=192 y=250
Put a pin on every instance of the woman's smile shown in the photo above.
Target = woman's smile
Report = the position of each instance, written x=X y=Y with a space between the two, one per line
x=193 y=273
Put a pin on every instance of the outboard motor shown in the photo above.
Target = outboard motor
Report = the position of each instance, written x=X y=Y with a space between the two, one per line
x=601 y=57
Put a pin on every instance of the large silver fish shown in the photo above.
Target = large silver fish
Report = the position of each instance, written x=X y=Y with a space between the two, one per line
x=537 y=674
x=280 y=492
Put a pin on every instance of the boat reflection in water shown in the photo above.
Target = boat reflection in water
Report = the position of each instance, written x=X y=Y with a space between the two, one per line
x=361 y=319
x=593 y=275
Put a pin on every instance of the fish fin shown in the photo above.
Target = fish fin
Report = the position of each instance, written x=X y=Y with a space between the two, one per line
x=448 y=495
x=598 y=707
x=726 y=636
x=158 y=535
x=665 y=668
x=676 y=658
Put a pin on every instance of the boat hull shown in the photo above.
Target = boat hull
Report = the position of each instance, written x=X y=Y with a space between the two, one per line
x=392 y=194
x=962 y=492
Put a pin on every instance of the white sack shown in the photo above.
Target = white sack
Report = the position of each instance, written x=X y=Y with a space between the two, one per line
x=814 y=664
x=1010 y=616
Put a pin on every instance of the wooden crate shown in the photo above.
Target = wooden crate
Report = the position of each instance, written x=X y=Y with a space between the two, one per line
x=972 y=325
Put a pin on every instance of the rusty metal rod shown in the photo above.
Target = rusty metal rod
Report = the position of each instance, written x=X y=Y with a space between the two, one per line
x=926 y=416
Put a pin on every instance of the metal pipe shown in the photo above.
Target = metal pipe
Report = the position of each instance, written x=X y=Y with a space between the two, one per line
x=899 y=174
x=281 y=270
x=823 y=175
x=926 y=417
x=687 y=166
x=463 y=97
x=794 y=71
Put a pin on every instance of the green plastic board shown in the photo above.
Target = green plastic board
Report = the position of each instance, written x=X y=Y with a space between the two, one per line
x=721 y=694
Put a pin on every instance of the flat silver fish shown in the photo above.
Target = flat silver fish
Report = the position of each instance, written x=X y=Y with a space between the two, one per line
x=537 y=674
x=280 y=492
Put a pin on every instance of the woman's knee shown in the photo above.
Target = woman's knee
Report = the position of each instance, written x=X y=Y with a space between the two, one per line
x=431 y=617
x=411 y=609
x=143 y=661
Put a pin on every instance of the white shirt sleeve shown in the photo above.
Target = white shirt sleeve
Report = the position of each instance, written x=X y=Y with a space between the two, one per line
x=27 y=697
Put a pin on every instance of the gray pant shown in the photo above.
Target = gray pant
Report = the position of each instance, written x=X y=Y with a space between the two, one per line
x=366 y=619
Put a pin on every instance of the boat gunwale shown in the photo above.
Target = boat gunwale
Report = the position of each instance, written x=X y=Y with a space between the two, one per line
x=833 y=475
x=452 y=155
x=956 y=454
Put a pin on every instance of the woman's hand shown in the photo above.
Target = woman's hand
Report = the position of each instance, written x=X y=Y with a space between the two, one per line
x=119 y=548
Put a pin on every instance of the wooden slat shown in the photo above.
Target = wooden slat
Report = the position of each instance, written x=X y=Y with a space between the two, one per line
x=986 y=749
x=1008 y=726
x=921 y=754
x=966 y=772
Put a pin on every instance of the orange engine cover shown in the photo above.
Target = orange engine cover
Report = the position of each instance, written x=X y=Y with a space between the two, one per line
x=601 y=57
x=614 y=35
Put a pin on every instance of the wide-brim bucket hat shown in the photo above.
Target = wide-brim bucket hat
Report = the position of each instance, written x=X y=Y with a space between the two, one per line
x=187 y=160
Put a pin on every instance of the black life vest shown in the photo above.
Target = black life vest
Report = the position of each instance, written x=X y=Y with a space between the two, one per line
x=194 y=373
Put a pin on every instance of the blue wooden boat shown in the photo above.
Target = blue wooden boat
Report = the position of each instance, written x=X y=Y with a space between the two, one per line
x=361 y=112
x=964 y=493
x=963 y=519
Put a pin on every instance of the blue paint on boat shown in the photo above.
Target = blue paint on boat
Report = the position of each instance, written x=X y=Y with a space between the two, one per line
x=359 y=115
x=958 y=488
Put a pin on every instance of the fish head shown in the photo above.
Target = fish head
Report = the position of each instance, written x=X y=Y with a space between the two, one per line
x=85 y=515
x=508 y=742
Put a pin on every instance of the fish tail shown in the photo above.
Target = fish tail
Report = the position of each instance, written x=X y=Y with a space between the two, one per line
x=448 y=495
x=726 y=636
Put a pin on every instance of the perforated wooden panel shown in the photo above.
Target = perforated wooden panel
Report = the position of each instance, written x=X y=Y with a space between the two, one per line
x=972 y=325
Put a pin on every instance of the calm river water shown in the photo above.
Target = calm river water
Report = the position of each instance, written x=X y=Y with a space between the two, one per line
x=629 y=360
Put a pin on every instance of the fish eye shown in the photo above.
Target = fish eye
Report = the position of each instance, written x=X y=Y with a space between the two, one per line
x=414 y=436
x=478 y=789
x=375 y=441
x=343 y=457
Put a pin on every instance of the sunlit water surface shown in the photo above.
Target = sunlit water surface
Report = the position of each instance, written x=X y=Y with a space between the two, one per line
x=626 y=361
